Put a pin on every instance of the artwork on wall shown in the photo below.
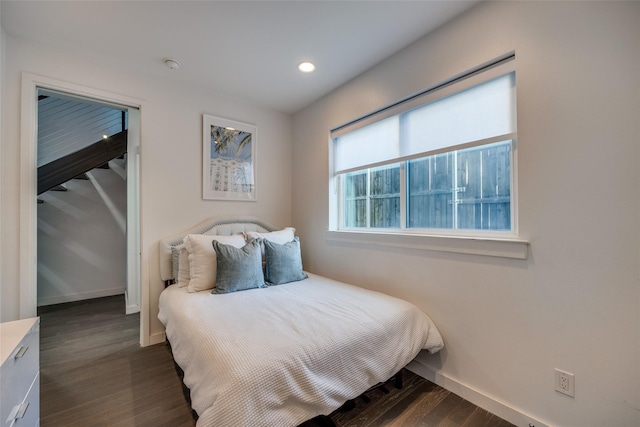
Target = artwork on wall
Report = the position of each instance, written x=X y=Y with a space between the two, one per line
x=229 y=159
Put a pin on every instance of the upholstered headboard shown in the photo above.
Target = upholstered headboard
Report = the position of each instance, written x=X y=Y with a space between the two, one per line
x=224 y=226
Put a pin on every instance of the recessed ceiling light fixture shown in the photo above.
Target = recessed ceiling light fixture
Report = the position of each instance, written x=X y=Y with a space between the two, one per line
x=306 y=67
x=172 y=63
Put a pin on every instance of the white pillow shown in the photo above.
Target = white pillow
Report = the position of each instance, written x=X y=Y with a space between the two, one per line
x=202 y=259
x=184 y=276
x=280 y=237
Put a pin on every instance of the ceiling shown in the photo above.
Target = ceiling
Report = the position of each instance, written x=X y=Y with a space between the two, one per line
x=243 y=49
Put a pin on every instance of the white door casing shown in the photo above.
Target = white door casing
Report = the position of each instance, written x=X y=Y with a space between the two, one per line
x=28 y=193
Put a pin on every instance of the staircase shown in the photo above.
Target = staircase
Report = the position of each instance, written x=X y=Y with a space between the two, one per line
x=77 y=163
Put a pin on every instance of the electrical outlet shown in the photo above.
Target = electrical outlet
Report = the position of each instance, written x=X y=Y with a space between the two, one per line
x=565 y=383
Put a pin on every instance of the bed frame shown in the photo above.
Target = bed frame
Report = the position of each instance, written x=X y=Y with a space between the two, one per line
x=226 y=226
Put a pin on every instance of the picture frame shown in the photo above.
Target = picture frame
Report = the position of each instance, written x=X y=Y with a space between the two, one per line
x=228 y=159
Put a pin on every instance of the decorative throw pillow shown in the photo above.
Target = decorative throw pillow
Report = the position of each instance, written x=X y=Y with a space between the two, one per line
x=202 y=258
x=175 y=259
x=238 y=269
x=183 y=268
x=283 y=262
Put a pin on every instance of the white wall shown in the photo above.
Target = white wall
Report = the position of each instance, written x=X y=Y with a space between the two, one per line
x=2 y=42
x=574 y=304
x=82 y=246
x=171 y=156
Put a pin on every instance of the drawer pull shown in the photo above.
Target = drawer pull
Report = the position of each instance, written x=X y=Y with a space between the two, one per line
x=22 y=410
x=17 y=412
x=21 y=352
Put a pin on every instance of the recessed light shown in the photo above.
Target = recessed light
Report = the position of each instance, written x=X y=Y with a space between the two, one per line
x=105 y=136
x=306 y=67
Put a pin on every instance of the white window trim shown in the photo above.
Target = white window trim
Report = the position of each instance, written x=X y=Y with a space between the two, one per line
x=494 y=247
x=473 y=242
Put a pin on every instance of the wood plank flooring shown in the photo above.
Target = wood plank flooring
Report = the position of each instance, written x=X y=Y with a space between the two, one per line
x=94 y=373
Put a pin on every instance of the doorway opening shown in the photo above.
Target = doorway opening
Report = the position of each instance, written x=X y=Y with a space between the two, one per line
x=125 y=169
x=82 y=164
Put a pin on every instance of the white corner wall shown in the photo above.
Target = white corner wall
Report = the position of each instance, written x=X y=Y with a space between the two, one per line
x=82 y=238
x=171 y=157
x=574 y=304
x=2 y=41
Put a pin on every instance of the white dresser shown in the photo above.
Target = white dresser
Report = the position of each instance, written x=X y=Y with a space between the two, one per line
x=20 y=373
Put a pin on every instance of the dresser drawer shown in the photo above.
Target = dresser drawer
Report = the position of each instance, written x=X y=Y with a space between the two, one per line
x=28 y=413
x=18 y=372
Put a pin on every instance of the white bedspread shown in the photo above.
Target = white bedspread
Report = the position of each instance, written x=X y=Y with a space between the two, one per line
x=281 y=355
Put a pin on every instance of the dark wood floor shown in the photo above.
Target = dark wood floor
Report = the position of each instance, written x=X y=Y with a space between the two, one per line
x=94 y=373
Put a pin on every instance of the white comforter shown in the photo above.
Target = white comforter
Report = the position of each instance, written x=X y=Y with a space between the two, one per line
x=281 y=355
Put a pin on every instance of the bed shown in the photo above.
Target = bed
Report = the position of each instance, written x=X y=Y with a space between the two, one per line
x=282 y=354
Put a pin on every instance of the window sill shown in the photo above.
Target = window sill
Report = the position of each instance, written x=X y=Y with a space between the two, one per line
x=502 y=248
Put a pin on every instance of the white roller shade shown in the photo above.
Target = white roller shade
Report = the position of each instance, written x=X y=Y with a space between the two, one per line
x=476 y=108
x=475 y=114
x=375 y=143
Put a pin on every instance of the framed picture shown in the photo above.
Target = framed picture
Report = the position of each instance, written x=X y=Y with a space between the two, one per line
x=229 y=159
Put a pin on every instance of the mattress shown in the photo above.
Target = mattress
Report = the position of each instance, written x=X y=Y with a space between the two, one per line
x=280 y=355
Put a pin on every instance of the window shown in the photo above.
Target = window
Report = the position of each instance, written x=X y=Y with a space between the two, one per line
x=441 y=160
x=372 y=198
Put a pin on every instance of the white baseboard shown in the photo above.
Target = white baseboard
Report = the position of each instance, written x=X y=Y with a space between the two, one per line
x=489 y=403
x=130 y=309
x=157 y=338
x=59 y=299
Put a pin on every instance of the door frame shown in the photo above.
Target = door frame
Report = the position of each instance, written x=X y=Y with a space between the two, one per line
x=28 y=266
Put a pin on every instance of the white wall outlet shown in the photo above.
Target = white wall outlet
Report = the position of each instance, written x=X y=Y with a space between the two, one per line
x=565 y=383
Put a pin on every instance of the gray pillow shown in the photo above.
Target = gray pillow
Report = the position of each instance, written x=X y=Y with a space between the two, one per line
x=283 y=262
x=175 y=256
x=238 y=269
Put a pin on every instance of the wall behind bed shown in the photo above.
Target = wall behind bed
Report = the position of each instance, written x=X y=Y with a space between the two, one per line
x=171 y=156
x=574 y=303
